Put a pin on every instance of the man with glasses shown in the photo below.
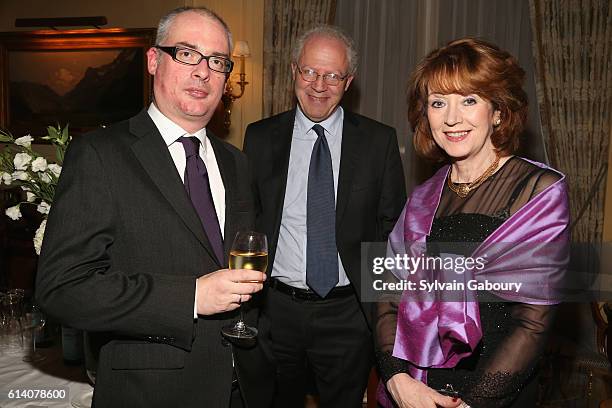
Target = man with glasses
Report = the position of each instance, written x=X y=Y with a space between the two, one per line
x=137 y=240
x=325 y=180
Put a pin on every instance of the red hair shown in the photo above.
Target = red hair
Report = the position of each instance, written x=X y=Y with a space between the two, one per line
x=469 y=66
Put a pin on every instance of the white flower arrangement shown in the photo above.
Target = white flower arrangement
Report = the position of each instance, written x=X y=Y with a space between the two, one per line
x=23 y=167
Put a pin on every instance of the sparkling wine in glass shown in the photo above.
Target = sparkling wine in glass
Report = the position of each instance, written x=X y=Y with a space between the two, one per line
x=257 y=261
x=249 y=251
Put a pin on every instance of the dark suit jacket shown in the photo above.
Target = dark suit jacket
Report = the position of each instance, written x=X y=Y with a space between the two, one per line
x=121 y=255
x=371 y=191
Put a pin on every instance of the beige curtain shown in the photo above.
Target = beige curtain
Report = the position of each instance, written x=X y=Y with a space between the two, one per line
x=573 y=54
x=284 y=21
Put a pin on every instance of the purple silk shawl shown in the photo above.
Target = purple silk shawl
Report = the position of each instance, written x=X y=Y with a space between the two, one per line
x=531 y=246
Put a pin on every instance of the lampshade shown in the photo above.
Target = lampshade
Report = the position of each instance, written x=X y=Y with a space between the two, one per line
x=241 y=49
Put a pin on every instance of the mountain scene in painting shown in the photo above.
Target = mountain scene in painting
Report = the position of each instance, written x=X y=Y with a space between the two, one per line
x=105 y=94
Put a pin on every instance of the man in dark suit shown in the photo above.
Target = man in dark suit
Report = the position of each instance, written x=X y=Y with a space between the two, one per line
x=325 y=180
x=136 y=256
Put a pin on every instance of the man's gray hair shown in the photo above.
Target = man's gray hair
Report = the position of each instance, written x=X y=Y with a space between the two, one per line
x=163 y=29
x=329 y=32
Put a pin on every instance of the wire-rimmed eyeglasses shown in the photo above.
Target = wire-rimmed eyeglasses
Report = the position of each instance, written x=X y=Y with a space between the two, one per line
x=310 y=75
x=188 y=56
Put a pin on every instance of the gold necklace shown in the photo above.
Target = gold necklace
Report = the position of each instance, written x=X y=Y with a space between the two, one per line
x=463 y=189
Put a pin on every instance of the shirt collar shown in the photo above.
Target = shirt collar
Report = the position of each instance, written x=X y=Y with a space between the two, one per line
x=331 y=124
x=169 y=130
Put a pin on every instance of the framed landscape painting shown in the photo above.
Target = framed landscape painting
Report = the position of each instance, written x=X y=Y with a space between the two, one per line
x=87 y=78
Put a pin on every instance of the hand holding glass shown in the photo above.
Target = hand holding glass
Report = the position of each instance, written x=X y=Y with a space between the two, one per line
x=249 y=251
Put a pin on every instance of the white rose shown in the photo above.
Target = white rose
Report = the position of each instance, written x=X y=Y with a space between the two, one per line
x=21 y=161
x=39 y=164
x=55 y=169
x=25 y=141
x=20 y=175
x=43 y=207
x=45 y=178
x=6 y=178
x=14 y=213
x=30 y=197
x=38 y=237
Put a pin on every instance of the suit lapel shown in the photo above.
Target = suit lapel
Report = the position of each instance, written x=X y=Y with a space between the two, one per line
x=153 y=155
x=352 y=145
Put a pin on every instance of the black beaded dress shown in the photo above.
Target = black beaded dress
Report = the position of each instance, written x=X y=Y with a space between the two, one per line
x=500 y=373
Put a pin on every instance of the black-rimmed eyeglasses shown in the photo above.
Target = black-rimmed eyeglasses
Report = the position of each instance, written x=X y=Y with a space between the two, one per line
x=310 y=75
x=188 y=56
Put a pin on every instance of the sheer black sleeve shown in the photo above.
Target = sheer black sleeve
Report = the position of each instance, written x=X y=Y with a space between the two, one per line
x=386 y=324
x=502 y=376
x=385 y=328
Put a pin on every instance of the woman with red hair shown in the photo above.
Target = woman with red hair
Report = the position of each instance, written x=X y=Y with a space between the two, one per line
x=477 y=343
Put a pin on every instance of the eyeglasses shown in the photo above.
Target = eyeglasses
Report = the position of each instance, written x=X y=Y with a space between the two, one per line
x=310 y=75
x=188 y=56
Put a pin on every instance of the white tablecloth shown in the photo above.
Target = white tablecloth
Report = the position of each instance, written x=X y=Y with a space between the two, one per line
x=49 y=374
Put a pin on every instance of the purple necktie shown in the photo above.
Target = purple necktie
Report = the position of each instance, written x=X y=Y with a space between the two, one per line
x=198 y=188
x=321 y=252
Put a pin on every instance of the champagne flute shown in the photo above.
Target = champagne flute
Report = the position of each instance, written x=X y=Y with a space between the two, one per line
x=249 y=251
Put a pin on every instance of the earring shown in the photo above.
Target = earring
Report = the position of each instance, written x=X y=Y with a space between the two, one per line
x=497 y=122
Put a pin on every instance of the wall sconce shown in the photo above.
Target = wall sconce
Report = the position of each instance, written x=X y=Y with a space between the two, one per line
x=241 y=50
